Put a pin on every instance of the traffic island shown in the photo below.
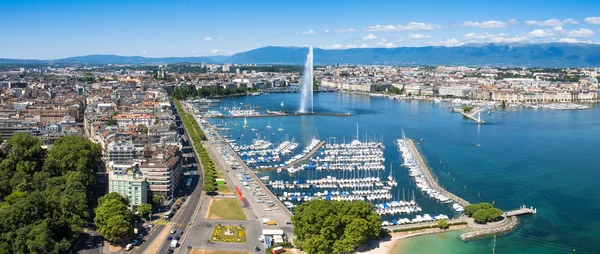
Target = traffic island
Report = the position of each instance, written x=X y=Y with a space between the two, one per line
x=229 y=234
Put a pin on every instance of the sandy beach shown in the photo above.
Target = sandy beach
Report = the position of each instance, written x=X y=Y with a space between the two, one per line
x=389 y=245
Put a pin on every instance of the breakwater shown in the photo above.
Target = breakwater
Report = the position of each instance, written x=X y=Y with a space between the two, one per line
x=511 y=223
x=429 y=176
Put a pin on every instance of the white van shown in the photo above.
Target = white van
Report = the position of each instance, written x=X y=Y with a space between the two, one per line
x=129 y=247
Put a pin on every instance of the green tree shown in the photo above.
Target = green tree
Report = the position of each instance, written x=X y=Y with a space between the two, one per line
x=395 y=90
x=472 y=208
x=117 y=228
x=335 y=226
x=409 y=94
x=480 y=216
x=494 y=214
x=113 y=217
x=443 y=224
x=467 y=109
x=111 y=122
x=144 y=210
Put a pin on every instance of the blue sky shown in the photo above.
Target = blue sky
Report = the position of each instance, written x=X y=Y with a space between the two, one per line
x=54 y=29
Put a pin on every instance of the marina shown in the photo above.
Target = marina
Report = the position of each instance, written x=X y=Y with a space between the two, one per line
x=468 y=170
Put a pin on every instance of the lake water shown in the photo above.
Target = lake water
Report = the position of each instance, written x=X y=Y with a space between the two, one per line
x=541 y=158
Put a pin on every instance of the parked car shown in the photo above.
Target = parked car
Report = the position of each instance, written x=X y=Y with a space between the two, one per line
x=129 y=247
x=140 y=236
x=173 y=231
x=177 y=237
x=169 y=238
x=181 y=231
x=135 y=242
x=256 y=248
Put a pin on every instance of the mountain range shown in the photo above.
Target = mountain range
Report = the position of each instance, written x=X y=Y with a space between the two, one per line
x=534 y=55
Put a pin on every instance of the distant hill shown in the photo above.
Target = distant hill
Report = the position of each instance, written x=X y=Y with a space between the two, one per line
x=114 y=59
x=534 y=55
x=538 y=55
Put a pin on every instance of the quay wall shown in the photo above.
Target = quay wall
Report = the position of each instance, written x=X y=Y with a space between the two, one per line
x=511 y=224
x=431 y=180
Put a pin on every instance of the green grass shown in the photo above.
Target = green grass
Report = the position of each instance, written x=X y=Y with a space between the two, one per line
x=238 y=234
x=226 y=209
x=224 y=189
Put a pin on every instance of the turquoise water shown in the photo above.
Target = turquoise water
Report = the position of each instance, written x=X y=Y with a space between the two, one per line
x=541 y=158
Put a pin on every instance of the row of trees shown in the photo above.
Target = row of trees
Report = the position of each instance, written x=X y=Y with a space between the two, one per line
x=335 y=226
x=483 y=212
x=467 y=109
x=197 y=135
x=44 y=200
x=186 y=92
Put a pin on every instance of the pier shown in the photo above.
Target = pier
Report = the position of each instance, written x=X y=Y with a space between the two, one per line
x=471 y=115
x=521 y=211
x=301 y=160
x=283 y=114
x=429 y=176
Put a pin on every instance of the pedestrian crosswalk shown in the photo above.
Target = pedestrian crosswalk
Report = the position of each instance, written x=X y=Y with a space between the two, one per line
x=166 y=222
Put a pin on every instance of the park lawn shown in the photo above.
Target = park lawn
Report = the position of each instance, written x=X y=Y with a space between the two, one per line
x=224 y=189
x=226 y=209
x=201 y=251
x=238 y=234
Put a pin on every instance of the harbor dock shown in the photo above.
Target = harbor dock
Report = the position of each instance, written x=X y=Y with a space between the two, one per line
x=429 y=176
x=301 y=160
x=471 y=115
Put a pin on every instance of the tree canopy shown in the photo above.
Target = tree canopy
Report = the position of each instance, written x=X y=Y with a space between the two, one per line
x=483 y=212
x=185 y=92
x=44 y=201
x=335 y=226
x=144 y=210
x=113 y=218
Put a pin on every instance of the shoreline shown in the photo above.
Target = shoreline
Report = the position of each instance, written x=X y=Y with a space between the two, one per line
x=389 y=245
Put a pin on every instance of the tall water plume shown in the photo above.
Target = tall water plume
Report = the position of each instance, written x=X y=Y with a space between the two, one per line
x=307 y=84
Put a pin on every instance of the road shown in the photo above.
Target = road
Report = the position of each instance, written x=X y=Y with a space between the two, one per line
x=255 y=211
x=185 y=215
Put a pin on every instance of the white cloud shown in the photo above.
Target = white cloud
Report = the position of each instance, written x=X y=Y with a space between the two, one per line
x=548 y=22
x=309 y=32
x=208 y=38
x=568 y=40
x=214 y=51
x=370 y=37
x=558 y=30
x=498 y=38
x=348 y=46
x=144 y=51
x=412 y=26
x=344 y=30
x=513 y=22
x=450 y=43
x=386 y=44
x=480 y=36
x=592 y=20
x=541 y=33
x=570 y=21
x=400 y=40
x=326 y=31
x=418 y=36
x=486 y=24
x=582 y=32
